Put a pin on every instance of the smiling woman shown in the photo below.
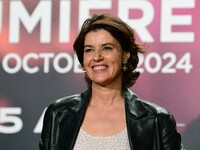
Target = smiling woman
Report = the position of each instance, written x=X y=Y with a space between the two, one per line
x=103 y=57
x=108 y=110
x=122 y=39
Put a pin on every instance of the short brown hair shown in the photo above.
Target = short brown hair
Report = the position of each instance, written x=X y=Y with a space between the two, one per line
x=122 y=32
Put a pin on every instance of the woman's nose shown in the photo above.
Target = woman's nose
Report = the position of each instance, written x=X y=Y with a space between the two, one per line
x=97 y=56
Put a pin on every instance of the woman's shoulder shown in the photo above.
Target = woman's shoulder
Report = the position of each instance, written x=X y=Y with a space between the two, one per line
x=150 y=107
x=70 y=103
x=154 y=108
x=64 y=104
x=67 y=100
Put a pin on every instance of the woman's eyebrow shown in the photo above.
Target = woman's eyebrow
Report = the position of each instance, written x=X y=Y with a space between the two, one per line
x=87 y=46
x=106 y=44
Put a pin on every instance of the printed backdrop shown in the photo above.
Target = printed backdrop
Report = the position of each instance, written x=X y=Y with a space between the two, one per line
x=38 y=65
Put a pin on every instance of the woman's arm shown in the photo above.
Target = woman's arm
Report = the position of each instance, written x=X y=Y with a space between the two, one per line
x=170 y=138
x=46 y=130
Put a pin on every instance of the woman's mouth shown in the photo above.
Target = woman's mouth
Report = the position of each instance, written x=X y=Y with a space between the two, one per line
x=96 y=68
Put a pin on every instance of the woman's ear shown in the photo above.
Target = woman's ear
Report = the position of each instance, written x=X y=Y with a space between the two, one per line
x=126 y=55
x=83 y=68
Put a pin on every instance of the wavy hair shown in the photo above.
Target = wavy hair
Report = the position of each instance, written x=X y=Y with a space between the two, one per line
x=122 y=32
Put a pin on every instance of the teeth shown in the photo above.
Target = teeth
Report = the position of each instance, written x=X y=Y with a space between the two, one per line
x=99 y=67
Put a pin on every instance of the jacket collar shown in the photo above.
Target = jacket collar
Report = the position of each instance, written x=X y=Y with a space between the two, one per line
x=134 y=107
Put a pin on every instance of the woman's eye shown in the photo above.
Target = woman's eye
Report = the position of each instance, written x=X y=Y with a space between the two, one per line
x=107 y=48
x=88 y=50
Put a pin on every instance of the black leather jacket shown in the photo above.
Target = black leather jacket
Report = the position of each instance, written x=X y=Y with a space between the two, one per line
x=149 y=126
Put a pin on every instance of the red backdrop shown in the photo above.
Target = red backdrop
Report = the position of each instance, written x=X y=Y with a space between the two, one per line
x=38 y=65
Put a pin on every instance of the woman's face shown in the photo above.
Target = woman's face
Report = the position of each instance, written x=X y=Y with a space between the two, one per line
x=103 y=57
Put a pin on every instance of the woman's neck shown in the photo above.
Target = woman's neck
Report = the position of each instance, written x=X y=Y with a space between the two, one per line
x=105 y=98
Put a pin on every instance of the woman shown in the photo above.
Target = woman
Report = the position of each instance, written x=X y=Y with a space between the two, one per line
x=108 y=115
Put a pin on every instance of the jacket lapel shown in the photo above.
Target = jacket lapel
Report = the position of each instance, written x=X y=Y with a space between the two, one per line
x=140 y=125
x=71 y=121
